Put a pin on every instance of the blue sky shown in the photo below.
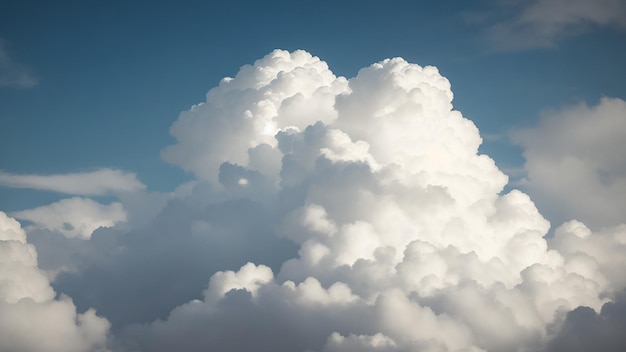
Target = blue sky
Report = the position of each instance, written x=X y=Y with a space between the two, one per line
x=112 y=76
x=185 y=208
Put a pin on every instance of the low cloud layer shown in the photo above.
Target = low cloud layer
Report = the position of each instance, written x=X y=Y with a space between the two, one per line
x=92 y=183
x=334 y=214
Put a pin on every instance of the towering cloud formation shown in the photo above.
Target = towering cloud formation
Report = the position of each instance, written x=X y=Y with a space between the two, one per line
x=31 y=318
x=406 y=242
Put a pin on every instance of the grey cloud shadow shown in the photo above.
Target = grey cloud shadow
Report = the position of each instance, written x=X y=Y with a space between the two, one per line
x=584 y=330
x=141 y=276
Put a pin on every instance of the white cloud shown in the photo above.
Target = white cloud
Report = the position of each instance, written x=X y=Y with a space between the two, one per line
x=575 y=165
x=406 y=242
x=20 y=275
x=31 y=318
x=73 y=217
x=240 y=117
x=541 y=23
x=12 y=73
x=93 y=183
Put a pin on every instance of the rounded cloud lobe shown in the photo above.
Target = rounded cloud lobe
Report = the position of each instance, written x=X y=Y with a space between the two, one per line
x=31 y=318
x=241 y=116
x=405 y=240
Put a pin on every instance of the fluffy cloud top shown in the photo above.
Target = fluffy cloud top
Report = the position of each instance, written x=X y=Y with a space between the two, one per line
x=31 y=318
x=240 y=117
x=575 y=164
x=93 y=183
x=406 y=241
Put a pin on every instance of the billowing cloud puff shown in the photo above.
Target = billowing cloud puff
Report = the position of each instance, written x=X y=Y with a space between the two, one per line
x=573 y=163
x=240 y=117
x=31 y=318
x=92 y=183
x=74 y=217
x=406 y=241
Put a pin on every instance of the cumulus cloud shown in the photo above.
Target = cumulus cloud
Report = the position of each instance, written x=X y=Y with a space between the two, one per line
x=240 y=117
x=541 y=23
x=574 y=162
x=74 y=217
x=406 y=241
x=31 y=317
x=328 y=214
x=12 y=73
x=92 y=183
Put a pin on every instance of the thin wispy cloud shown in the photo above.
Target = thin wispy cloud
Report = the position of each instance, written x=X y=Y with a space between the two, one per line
x=13 y=74
x=93 y=183
x=543 y=23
